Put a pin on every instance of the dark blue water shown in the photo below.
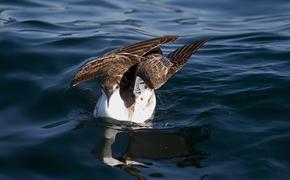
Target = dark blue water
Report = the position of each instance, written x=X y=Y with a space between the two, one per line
x=225 y=115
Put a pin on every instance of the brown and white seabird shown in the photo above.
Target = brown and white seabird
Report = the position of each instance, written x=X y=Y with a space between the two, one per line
x=132 y=74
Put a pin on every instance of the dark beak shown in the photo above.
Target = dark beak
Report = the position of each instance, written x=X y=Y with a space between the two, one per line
x=108 y=94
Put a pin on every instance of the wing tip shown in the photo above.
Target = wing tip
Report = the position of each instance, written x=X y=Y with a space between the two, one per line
x=73 y=83
x=167 y=38
x=172 y=37
x=200 y=41
x=203 y=40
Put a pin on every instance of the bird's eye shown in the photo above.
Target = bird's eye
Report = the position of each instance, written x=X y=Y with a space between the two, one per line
x=116 y=86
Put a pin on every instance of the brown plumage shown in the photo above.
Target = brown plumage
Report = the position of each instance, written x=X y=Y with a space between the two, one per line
x=144 y=59
x=156 y=70
x=114 y=64
x=117 y=62
x=144 y=47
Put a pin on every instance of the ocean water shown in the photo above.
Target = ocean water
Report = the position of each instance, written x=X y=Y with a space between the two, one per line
x=225 y=115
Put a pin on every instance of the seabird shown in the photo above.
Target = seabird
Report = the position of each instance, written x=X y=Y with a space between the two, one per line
x=132 y=74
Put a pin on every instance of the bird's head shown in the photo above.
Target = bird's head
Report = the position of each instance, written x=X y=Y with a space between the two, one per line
x=110 y=86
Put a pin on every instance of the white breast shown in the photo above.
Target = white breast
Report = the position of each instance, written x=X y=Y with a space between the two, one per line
x=139 y=112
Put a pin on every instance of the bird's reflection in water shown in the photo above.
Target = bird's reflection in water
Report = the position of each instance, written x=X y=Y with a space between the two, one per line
x=148 y=145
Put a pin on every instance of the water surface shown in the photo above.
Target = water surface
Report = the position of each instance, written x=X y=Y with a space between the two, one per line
x=225 y=115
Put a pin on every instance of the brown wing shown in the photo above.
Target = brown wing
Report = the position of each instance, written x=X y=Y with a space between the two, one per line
x=111 y=65
x=144 y=47
x=181 y=55
x=156 y=71
x=118 y=61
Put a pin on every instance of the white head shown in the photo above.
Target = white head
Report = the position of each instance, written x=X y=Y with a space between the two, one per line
x=110 y=86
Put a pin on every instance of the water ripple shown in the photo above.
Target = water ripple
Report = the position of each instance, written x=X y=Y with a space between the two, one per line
x=226 y=113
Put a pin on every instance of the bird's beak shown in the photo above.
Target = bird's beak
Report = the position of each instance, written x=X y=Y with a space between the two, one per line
x=108 y=94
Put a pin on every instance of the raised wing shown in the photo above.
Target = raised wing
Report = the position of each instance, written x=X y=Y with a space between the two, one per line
x=144 y=47
x=156 y=70
x=181 y=55
x=118 y=61
x=111 y=65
